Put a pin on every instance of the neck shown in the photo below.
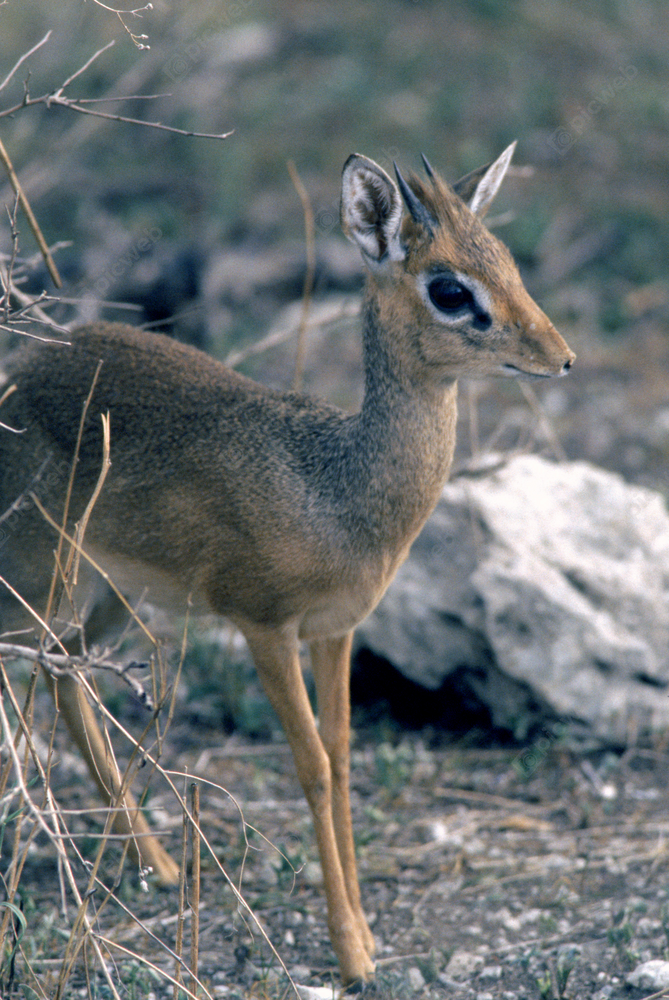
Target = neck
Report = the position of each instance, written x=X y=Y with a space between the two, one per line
x=405 y=435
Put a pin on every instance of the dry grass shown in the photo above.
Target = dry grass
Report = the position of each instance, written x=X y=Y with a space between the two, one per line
x=99 y=930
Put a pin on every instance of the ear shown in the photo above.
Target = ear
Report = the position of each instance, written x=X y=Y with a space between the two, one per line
x=371 y=209
x=479 y=188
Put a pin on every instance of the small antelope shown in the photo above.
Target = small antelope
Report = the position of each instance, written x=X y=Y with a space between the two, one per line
x=282 y=513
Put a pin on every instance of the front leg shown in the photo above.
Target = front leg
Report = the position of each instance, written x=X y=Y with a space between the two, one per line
x=275 y=652
x=331 y=665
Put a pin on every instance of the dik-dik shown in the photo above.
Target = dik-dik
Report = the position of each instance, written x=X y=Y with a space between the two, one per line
x=282 y=513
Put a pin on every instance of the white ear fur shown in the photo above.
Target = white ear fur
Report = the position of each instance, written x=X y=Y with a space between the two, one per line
x=490 y=183
x=371 y=209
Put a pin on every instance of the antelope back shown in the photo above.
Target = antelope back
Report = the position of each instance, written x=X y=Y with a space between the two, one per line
x=443 y=282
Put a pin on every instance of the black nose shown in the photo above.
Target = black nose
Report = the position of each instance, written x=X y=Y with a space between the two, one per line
x=567 y=366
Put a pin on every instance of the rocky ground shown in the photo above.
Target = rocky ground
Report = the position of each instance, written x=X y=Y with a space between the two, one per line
x=486 y=871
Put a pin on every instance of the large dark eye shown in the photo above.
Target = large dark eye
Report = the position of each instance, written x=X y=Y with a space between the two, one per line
x=449 y=295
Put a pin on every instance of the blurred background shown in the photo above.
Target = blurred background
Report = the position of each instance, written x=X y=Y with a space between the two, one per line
x=206 y=237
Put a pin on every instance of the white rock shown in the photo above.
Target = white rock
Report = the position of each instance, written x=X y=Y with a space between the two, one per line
x=463 y=964
x=415 y=977
x=653 y=975
x=555 y=576
x=316 y=992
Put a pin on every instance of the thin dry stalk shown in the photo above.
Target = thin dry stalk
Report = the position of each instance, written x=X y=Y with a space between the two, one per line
x=17 y=307
x=59 y=577
x=473 y=393
x=98 y=569
x=181 y=912
x=658 y=996
x=81 y=930
x=115 y=946
x=82 y=936
x=15 y=869
x=544 y=423
x=195 y=885
x=50 y=822
x=30 y=216
x=160 y=686
x=26 y=713
x=309 y=236
x=106 y=465
x=58 y=580
x=8 y=282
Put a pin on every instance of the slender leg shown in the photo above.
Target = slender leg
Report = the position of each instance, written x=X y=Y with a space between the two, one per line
x=276 y=656
x=129 y=821
x=330 y=661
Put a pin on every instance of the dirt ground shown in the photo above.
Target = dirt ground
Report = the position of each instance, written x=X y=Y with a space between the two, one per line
x=486 y=871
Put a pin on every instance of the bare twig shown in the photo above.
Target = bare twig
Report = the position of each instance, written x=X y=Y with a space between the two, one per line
x=82 y=69
x=195 y=885
x=98 y=569
x=60 y=664
x=74 y=105
x=26 y=55
x=32 y=221
x=29 y=306
x=18 y=503
x=309 y=275
x=60 y=578
x=114 y=945
x=40 y=621
x=57 y=97
x=138 y=40
x=11 y=261
x=125 y=97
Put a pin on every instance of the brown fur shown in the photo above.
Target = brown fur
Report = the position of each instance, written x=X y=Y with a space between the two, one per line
x=280 y=512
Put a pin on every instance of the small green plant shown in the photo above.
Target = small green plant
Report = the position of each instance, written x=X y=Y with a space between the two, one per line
x=620 y=935
x=547 y=923
x=288 y=861
x=567 y=958
x=139 y=979
x=431 y=966
x=552 y=984
x=223 y=686
x=394 y=765
x=18 y=927
x=664 y=917
x=545 y=986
